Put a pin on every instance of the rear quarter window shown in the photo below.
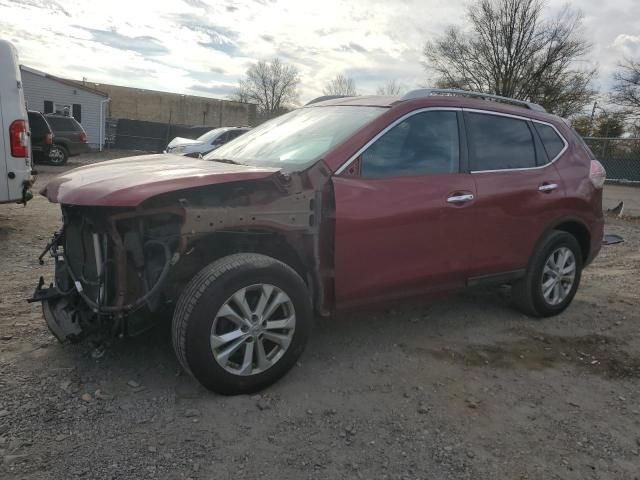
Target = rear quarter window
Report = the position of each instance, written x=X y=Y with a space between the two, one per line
x=551 y=141
x=37 y=124
x=64 y=124
x=499 y=143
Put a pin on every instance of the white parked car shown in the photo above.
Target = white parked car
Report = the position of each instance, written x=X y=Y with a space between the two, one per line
x=206 y=142
x=15 y=149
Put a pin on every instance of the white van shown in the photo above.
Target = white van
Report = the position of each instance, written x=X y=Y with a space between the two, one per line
x=15 y=154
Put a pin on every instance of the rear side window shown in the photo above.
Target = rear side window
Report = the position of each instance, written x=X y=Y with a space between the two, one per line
x=63 y=124
x=499 y=143
x=37 y=124
x=551 y=141
x=423 y=144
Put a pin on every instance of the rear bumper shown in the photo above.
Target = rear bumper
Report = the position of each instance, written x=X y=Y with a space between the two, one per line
x=597 y=235
x=78 y=148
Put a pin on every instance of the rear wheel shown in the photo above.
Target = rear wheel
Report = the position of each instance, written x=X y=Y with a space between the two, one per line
x=552 y=278
x=58 y=155
x=241 y=323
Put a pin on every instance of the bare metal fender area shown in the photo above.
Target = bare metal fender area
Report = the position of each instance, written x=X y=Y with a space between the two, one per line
x=119 y=270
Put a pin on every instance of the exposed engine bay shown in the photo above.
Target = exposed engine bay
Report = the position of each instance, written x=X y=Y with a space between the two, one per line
x=118 y=269
x=108 y=266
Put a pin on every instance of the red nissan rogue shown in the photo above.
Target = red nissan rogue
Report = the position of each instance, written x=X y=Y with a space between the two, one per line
x=345 y=202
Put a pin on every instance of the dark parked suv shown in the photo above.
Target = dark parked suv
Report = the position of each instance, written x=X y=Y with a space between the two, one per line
x=343 y=203
x=41 y=136
x=70 y=139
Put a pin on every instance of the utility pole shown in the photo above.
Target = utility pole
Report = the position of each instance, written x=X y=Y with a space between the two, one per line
x=593 y=114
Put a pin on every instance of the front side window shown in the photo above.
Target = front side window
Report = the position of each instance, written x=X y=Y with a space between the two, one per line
x=297 y=139
x=551 y=141
x=499 y=143
x=426 y=143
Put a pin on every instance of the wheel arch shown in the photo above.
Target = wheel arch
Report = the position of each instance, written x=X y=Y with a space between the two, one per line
x=575 y=227
x=63 y=144
x=278 y=245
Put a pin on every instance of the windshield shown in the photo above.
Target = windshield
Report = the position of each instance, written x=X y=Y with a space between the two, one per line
x=297 y=139
x=210 y=135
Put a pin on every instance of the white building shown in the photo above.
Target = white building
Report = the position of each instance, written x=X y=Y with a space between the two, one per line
x=48 y=94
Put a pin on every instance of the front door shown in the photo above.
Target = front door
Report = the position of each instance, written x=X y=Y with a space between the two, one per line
x=402 y=211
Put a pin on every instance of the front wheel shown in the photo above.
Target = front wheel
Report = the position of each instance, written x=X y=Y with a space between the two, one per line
x=241 y=323
x=552 y=278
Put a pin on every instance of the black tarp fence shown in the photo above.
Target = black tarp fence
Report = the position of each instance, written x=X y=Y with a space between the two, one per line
x=147 y=136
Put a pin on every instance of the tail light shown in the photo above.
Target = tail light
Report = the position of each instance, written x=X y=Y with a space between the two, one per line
x=83 y=137
x=597 y=174
x=19 y=139
x=49 y=139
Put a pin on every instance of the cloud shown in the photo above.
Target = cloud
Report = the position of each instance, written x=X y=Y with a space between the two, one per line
x=208 y=75
x=51 y=5
x=629 y=45
x=206 y=45
x=144 y=45
x=196 y=4
x=353 y=47
x=222 y=89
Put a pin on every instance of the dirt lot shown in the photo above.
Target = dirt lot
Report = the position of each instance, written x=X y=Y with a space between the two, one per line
x=460 y=388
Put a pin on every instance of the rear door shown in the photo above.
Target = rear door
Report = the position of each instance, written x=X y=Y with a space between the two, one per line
x=402 y=210
x=517 y=187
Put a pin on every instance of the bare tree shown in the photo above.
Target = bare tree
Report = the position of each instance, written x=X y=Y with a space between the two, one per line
x=272 y=85
x=511 y=50
x=391 y=87
x=341 y=85
x=609 y=125
x=626 y=90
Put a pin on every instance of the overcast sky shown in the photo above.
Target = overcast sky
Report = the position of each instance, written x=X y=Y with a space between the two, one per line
x=203 y=47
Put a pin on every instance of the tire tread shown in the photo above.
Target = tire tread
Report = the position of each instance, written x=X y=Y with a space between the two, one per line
x=199 y=284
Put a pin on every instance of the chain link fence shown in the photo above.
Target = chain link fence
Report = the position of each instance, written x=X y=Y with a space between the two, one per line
x=619 y=156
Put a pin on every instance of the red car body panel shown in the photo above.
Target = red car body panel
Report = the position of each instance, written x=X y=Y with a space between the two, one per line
x=508 y=208
x=399 y=237
x=130 y=181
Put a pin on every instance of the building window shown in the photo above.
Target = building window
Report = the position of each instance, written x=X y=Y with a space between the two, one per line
x=76 y=111
x=62 y=109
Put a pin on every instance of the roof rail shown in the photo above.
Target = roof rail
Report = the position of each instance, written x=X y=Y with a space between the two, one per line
x=427 y=92
x=325 y=97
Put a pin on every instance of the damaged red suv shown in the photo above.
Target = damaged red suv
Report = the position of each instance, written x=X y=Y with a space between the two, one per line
x=345 y=202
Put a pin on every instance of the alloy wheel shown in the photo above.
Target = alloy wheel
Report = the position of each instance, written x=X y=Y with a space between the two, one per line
x=558 y=275
x=56 y=155
x=253 y=329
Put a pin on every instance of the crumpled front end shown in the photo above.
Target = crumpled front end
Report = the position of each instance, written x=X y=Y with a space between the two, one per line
x=111 y=270
x=120 y=268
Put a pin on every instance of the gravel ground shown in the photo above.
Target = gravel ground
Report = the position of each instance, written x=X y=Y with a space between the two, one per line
x=461 y=387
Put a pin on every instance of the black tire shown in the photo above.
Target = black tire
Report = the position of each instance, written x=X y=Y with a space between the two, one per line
x=58 y=155
x=527 y=294
x=207 y=292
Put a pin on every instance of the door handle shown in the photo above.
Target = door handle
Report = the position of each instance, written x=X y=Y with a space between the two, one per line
x=463 y=198
x=547 y=187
